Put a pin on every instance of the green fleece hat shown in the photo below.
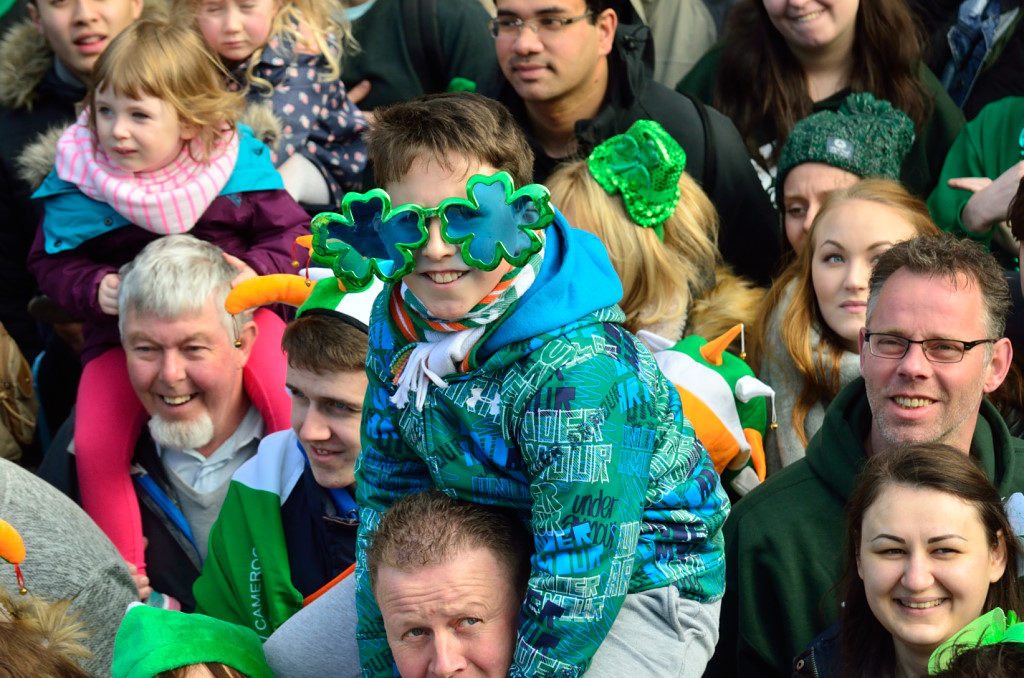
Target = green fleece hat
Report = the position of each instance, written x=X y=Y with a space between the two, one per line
x=865 y=136
x=152 y=640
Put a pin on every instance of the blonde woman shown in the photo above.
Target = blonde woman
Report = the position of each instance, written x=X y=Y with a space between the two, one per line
x=673 y=278
x=804 y=343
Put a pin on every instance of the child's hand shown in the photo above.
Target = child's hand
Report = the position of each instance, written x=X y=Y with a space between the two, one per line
x=141 y=582
x=245 y=271
x=107 y=294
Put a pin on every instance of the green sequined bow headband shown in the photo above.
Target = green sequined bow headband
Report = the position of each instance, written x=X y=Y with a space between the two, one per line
x=644 y=166
x=370 y=237
x=988 y=629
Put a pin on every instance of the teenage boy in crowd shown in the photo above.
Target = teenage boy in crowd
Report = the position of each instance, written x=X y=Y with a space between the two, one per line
x=288 y=524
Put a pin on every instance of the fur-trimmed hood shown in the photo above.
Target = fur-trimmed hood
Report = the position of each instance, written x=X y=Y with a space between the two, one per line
x=25 y=57
x=24 y=60
x=38 y=157
x=732 y=300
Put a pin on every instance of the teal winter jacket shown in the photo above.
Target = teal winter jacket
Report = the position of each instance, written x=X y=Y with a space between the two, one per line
x=565 y=418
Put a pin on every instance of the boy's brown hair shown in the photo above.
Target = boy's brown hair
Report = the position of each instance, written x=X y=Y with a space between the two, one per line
x=443 y=127
x=324 y=344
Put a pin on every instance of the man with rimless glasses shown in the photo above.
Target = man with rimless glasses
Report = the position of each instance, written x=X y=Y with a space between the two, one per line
x=932 y=348
x=575 y=77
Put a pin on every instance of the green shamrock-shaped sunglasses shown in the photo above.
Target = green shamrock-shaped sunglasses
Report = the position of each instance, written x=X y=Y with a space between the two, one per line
x=494 y=222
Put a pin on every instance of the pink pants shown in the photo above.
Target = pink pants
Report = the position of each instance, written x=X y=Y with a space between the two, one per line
x=109 y=419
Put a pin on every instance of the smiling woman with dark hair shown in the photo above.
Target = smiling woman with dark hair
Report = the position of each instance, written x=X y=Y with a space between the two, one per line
x=928 y=549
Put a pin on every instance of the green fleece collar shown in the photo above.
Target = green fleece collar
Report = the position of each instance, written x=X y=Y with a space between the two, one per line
x=836 y=452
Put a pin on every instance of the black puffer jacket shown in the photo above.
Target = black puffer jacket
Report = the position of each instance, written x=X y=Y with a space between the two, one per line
x=33 y=99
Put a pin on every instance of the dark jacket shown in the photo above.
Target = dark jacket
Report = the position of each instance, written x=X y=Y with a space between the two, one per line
x=924 y=161
x=821 y=659
x=32 y=100
x=320 y=543
x=749 y=236
x=454 y=38
x=172 y=557
x=999 y=77
x=783 y=541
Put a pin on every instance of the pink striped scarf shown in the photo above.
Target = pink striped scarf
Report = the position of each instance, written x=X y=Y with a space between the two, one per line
x=164 y=201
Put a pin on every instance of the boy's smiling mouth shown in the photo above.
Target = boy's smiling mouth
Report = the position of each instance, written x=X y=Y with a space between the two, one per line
x=444 y=277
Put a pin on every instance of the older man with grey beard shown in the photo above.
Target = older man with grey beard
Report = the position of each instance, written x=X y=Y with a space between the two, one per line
x=186 y=358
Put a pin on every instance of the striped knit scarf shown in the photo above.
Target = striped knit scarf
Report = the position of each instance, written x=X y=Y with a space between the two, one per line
x=164 y=201
x=438 y=347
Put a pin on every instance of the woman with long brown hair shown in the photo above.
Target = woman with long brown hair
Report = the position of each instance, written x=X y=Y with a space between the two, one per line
x=928 y=549
x=804 y=343
x=781 y=60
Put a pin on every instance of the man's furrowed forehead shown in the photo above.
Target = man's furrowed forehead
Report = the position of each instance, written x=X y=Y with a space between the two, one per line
x=156 y=334
x=196 y=326
x=912 y=296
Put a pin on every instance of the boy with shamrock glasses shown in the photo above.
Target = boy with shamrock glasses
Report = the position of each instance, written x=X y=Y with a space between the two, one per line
x=498 y=372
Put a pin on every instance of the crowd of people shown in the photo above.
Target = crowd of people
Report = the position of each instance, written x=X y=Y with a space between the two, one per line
x=410 y=337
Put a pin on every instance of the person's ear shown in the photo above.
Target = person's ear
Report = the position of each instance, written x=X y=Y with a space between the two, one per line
x=33 y=15
x=606 y=23
x=861 y=345
x=999 y=365
x=997 y=559
x=246 y=339
x=860 y=570
x=136 y=8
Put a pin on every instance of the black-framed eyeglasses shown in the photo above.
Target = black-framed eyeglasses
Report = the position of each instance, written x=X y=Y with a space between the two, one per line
x=506 y=26
x=894 y=347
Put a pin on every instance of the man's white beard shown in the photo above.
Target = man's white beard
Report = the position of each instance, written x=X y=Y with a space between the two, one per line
x=182 y=435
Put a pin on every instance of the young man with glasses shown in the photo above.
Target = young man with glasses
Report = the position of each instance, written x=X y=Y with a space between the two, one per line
x=932 y=349
x=575 y=76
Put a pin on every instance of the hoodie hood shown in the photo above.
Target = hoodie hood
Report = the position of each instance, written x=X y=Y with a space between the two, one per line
x=575 y=280
x=26 y=61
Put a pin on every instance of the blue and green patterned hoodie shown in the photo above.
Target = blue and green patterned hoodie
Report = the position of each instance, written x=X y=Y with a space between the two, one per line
x=566 y=418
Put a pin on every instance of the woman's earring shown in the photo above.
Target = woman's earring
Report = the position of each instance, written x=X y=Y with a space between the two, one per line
x=238 y=343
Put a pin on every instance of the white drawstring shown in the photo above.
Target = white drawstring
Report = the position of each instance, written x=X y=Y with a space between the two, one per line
x=431 y=361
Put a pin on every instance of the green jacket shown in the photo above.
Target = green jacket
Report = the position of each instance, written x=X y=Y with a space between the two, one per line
x=454 y=31
x=924 y=161
x=783 y=541
x=986 y=147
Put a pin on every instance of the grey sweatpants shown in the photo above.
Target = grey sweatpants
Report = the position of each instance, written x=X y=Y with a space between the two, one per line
x=658 y=633
x=319 y=640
